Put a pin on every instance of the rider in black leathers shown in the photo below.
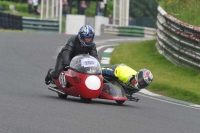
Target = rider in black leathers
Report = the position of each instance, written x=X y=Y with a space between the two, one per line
x=79 y=44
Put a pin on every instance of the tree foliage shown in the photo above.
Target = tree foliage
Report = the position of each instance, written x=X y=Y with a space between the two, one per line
x=143 y=8
x=143 y=12
x=18 y=1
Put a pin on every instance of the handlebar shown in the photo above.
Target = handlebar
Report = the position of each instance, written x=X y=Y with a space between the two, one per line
x=66 y=68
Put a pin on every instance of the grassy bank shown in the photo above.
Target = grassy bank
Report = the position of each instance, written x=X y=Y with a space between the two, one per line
x=184 y=10
x=169 y=80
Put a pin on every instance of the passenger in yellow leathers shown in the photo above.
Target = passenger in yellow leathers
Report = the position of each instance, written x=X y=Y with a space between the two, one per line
x=133 y=80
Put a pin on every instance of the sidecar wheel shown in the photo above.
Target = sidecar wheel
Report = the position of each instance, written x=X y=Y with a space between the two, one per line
x=62 y=96
x=120 y=102
x=86 y=100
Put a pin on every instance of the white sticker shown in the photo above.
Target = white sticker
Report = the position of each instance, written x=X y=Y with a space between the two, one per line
x=88 y=62
x=62 y=80
x=93 y=82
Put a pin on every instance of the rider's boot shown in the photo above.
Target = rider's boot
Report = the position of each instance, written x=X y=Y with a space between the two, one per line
x=48 y=77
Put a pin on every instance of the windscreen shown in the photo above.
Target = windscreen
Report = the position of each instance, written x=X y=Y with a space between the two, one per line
x=85 y=63
x=113 y=89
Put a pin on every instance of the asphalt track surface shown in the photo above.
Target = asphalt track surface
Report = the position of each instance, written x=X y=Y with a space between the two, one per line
x=27 y=106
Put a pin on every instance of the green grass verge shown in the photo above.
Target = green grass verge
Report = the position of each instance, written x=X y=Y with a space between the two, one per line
x=184 y=10
x=24 y=14
x=170 y=80
x=3 y=30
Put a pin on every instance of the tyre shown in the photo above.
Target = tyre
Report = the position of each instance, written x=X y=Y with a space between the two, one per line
x=86 y=100
x=120 y=102
x=63 y=96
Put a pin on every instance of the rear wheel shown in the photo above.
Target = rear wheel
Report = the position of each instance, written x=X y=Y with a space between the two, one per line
x=63 y=96
x=86 y=100
x=120 y=102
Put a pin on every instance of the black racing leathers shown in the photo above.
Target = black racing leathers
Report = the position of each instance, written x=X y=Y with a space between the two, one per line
x=71 y=49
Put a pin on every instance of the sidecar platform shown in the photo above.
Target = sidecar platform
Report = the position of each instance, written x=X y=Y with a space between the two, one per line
x=135 y=99
x=55 y=90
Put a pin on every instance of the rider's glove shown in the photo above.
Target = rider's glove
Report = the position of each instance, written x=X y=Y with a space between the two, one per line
x=136 y=86
x=66 y=68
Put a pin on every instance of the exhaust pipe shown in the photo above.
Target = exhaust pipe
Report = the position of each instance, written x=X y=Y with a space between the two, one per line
x=56 y=90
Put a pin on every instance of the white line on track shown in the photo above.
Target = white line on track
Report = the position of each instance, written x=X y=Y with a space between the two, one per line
x=169 y=102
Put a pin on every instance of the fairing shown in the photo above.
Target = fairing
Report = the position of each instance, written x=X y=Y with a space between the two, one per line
x=113 y=91
x=83 y=77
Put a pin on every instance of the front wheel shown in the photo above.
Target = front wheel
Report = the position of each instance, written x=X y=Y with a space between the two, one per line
x=86 y=100
x=120 y=102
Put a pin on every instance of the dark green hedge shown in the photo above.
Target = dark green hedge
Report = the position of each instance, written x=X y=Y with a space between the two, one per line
x=21 y=7
x=18 y=1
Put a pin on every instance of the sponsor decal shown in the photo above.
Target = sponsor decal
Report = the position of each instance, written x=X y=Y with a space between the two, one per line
x=62 y=79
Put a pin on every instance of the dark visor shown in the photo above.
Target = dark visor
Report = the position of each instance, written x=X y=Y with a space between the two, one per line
x=142 y=84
